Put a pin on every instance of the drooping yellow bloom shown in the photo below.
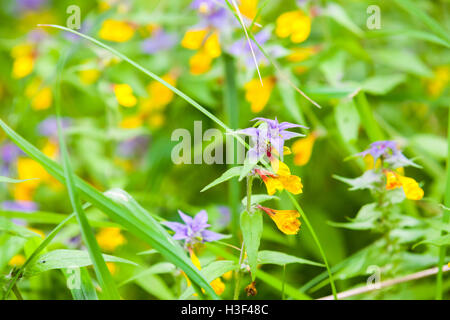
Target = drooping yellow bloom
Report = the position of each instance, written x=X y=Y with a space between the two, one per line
x=249 y=8
x=117 y=31
x=410 y=186
x=124 y=95
x=208 y=47
x=293 y=24
x=217 y=284
x=258 y=95
x=110 y=238
x=212 y=45
x=302 y=149
x=17 y=261
x=286 y=220
x=89 y=76
x=283 y=179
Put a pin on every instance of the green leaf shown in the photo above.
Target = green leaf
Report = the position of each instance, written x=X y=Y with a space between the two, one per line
x=11 y=227
x=336 y=12
x=148 y=229
x=441 y=241
x=227 y=175
x=347 y=120
x=364 y=220
x=80 y=284
x=156 y=287
x=158 y=268
x=380 y=85
x=436 y=146
x=281 y=259
x=10 y=180
x=63 y=259
x=366 y=181
x=252 y=228
x=403 y=61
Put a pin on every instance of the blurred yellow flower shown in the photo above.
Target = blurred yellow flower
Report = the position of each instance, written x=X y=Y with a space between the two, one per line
x=208 y=47
x=41 y=96
x=89 y=76
x=117 y=31
x=193 y=39
x=249 y=8
x=110 y=238
x=293 y=24
x=439 y=82
x=112 y=267
x=301 y=54
x=131 y=122
x=258 y=95
x=160 y=95
x=39 y=232
x=200 y=63
x=302 y=149
x=369 y=162
x=217 y=284
x=156 y=120
x=23 y=64
x=124 y=95
x=17 y=261
x=212 y=45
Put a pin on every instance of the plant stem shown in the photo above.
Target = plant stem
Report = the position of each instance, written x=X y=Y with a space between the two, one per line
x=241 y=257
x=17 y=293
x=445 y=220
x=316 y=240
x=367 y=118
x=232 y=109
x=284 y=282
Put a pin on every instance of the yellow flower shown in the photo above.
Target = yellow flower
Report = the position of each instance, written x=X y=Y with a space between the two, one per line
x=17 y=261
x=131 y=122
x=29 y=169
x=200 y=63
x=212 y=45
x=281 y=180
x=193 y=39
x=301 y=54
x=302 y=149
x=160 y=95
x=41 y=97
x=156 y=120
x=89 y=76
x=439 y=82
x=110 y=238
x=39 y=232
x=286 y=220
x=369 y=162
x=23 y=55
x=22 y=67
x=124 y=95
x=112 y=267
x=293 y=24
x=118 y=31
x=217 y=284
x=410 y=186
x=258 y=95
x=249 y=8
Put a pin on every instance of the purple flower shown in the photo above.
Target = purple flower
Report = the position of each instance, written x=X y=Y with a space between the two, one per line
x=388 y=150
x=194 y=230
x=20 y=205
x=241 y=48
x=214 y=14
x=225 y=216
x=84 y=28
x=24 y=5
x=49 y=126
x=160 y=41
x=269 y=136
x=133 y=146
x=9 y=153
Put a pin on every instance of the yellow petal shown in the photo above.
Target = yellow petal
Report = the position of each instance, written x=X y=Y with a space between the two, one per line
x=287 y=221
x=248 y=8
x=89 y=76
x=193 y=39
x=17 y=261
x=218 y=286
x=212 y=45
x=292 y=183
x=200 y=63
x=117 y=31
x=43 y=99
x=22 y=66
x=302 y=149
x=258 y=95
x=110 y=238
x=411 y=188
x=124 y=95
x=131 y=122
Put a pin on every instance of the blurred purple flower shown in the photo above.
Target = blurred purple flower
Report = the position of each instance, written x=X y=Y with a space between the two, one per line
x=49 y=126
x=84 y=28
x=9 y=153
x=214 y=14
x=194 y=230
x=74 y=241
x=160 y=41
x=24 y=5
x=225 y=216
x=20 y=205
x=389 y=151
x=133 y=146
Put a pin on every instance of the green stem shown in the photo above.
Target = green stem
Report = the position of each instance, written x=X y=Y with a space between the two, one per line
x=445 y=220
x=16 y=291
x=284 y=282
x=232 y=109
x=367 y=118
x=316 y=240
